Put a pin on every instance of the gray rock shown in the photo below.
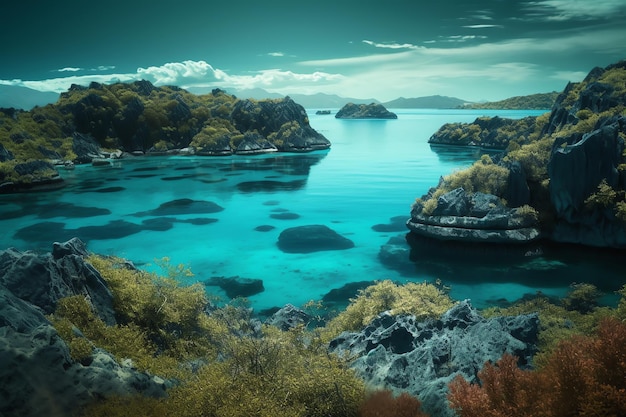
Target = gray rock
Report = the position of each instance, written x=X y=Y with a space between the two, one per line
x=312 y=238
x=288 y=318
x=42 y=279
x=365 y=111
x=452 y=203
x=421 y=358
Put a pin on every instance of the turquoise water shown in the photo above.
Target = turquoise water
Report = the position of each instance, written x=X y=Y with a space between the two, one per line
x=371 y=175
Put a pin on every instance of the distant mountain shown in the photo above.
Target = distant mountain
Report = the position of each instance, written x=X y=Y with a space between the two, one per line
x=531 y=102
x=24 y=98
x=428 y=102
x=321 y=100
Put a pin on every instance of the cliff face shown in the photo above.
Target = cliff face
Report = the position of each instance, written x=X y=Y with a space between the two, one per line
x=570 y=164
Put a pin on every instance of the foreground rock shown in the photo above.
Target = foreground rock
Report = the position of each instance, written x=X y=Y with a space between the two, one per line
x=473 y=218
x=364 y=111
x=421 y=358
x=38 y=376
x=313 y=238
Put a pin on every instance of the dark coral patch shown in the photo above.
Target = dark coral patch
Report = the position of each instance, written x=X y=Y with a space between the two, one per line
x=70 y=210
x=264 y=228
x=285 y=216
x=237 y=286
x=270 y=186
x=109 y=190
x=182 y=206
x=396 y=224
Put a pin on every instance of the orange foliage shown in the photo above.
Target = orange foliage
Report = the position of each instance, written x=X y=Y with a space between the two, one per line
x=383 y=404
x=584 y=377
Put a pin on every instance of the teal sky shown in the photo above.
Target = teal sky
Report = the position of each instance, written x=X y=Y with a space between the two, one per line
x=474 y=49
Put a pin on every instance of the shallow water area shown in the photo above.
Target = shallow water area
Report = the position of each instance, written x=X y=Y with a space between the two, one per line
x=222 y=216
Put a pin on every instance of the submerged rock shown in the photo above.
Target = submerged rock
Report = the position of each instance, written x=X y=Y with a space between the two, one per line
x=421 y=358
x=237 y=286
x=313 y=238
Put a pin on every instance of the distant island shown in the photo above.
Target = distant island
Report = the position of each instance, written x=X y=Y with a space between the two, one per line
x=429 y=102
x=365 y=111
x=322 y=112
x=531 y=102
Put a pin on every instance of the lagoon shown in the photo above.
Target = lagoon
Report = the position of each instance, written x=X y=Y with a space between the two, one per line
x=362 y=188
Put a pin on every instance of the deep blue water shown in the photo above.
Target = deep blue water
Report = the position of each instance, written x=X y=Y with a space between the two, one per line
x=362 y=188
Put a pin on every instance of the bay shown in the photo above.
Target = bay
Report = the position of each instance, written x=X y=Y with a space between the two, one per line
x=222 y=216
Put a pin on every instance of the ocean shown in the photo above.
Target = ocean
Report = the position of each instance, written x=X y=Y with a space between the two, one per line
x=222 y=216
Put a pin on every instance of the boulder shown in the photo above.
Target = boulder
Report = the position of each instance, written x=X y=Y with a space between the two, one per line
x=42 y=279
x=237 y=286
x=365 y=111
x=288 y=318
x=478 y=217
x=38 y=376
x=312 y=238
x=405 y=355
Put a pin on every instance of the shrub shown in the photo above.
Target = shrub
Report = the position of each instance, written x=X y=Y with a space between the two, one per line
x=583 y=376
x=422 y=300
x=383 y=403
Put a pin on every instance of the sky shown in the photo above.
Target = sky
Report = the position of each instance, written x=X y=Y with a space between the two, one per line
x=471 y=49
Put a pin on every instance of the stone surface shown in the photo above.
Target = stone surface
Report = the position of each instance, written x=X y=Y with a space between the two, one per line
x=477 y=217
x=37 y=374
x=364 y=111
x=312 y=238
x=42 y=279
x=421 y=358
x=288 y=318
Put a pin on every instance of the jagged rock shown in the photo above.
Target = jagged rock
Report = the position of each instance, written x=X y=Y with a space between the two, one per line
x=5 y=154
x=288 y=318
x=578 y=164
x=38 y=376
x=478 y=217
x=85 y=147
x=42 y=279
x=253 y=143
x=312 y=238
x=421 y=358
x=365 y=111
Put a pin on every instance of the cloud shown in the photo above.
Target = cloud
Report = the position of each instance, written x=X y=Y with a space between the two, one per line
x=392 y=45
x=560 y=10
x=482 y=26
x=276 y=54
x=69 y=69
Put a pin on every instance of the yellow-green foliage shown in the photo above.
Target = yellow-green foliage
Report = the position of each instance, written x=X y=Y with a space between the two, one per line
x=528 y=213
x=420 y=299
x=533 y=157
x=286 y=131
x=242 y=372
x=483 y=176
x=607 y=197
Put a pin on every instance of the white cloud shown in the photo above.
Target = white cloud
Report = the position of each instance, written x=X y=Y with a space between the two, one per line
x=558 y=10
x=69 y=69
x=482 y=26
x=276 y=54
x=392 y=45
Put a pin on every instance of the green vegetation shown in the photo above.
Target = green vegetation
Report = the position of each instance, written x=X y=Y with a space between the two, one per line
x=533 y=101
x=483 y=176
x=422 y=300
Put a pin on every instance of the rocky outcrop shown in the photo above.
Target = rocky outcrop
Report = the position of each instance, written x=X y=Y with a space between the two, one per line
x=288 y=317
x=485 y=132
x=578 y=164
x=38 y=376
x=312 y=238
x=364 y=111
x=421 y=358
x=473 y=218
x=31 y=176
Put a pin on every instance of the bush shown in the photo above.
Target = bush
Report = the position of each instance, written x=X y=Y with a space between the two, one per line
x=422 y=300
x=584 y=376
x=382 y=403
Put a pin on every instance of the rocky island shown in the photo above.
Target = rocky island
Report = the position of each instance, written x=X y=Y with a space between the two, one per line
x=561 y=176
x=365 y=111
x=103 y=122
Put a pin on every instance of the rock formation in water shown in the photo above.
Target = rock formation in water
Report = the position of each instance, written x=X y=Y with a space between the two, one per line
x=364 y=111
x=568 y=165
x=421 y=357
x=312 y=238
x=38 y=376
x=139 y=118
